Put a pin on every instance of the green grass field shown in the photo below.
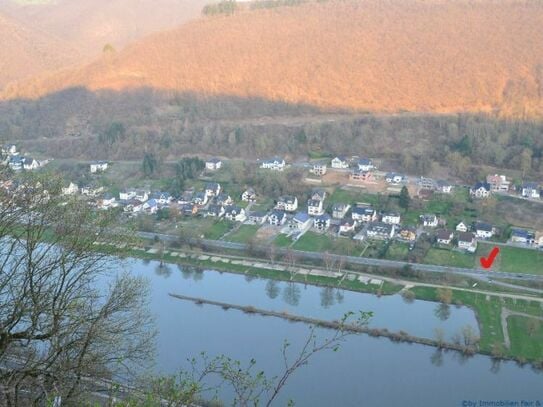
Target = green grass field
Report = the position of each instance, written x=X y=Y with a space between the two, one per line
x=282 y=240
x=243 y=234
x=445 y=257
x=526 y=335
x=217 y=229
x=397 y=251
x=313 y=242
x=518 y=260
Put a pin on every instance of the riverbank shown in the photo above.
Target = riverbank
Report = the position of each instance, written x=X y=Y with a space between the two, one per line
x=486 y=305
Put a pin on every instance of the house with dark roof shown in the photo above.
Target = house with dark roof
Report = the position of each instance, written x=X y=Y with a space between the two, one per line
x=444 y=237
x=480 y=190
x=322 y=222
x=277 y=218
x=531 y=190
x=213 y=164
x=483 y=230
x=380 y=230
x=364 y=214
x=467 y=242
x=257 y=217
x=300 y=222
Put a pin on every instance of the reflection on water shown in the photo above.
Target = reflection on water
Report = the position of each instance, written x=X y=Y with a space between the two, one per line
x=366 y=371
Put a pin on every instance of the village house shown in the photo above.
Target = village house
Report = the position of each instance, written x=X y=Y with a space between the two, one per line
x=287 y=203
x=71 y=189
x=15 y=163
x=361 y=176
x=107 y=201
x=462 y=227
x=249 y=195
x=347 y=226
x=429 y=220
x=445 y=187
x=522 y=236
x=467 y=242
x=498 y=183
x=213 y=164
x=483 y=230
x=395 y=179
x=188 y=209
x=339 y=210
x=235 y=213
x=224 y=199
x=364 y=214
x=215 y=211
x=531 y=190
x=133 y=206
x=9 y=150
x=319 y=169
x=98 y=166
x=30 y=163
x=391 y=218
x=200 y=199
x=186 y=198
x=258 y=218
x=315 y=207
x=322 y=223
x=150 y=207
x=277 y=218
x=427 y=183
x=127 y=195
x=444 y=237
x=300 y=222
x=275 y=164
x=339 y=162
x=212 y=189
x=142 y=195
x=91 y=191
x=480 y=190
x=365 y=164
x=408 y=234
x=380 y=230
x=162 y=198
x=318 y=195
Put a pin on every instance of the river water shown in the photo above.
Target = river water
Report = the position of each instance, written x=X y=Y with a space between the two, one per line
x=366 y=371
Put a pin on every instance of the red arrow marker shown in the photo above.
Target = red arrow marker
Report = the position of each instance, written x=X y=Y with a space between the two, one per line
x=487 y=262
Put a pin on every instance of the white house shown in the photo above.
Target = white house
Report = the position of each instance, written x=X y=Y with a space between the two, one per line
x=483 y=230
x=365 y=164
x=444 y=187
x=393 y=178
x=133 y=206
x=91 y=191
x=277 y=218
x=339 y=210
x=215 y=211
x=127 y=195
x=98 y=166
x=151 y=206
x=339 y=162
x=444 y=237
x=224 y=199
x=364 y=214
x=235 y=213
x=200 y=199
x=522 y=236
x=322 y=222
x=249 y=195
x=162 y=198
x=10 y=149
x=213 y=164
x=107 y=201
x=429 y=220
x=391 y=218
x=142 y=195
x=380 y=230
x=287 y=203
x=300 y=222
x=318 y=194
x=212 y=189
x=531 y=190
x=258 y=218
x=15 y=163
x=276 y=164
x=319 y=169
x=71 y=189
x=30 y=164
x=315 y=207
x=480 y=190
x=462 y=227
x=498 y=183
x=347 y=225
x=466 y=241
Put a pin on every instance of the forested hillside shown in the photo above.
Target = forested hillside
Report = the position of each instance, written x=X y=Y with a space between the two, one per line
x=363 y=55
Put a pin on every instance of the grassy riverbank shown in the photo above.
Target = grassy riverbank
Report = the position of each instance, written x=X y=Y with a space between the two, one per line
x=487 y=306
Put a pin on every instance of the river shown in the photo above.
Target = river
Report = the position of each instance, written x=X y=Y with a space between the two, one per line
x=366 y=371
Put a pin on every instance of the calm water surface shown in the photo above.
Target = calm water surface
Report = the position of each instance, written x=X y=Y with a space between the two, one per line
x=365 y=372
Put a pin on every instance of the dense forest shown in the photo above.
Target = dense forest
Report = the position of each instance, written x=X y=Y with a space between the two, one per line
x=110 y=125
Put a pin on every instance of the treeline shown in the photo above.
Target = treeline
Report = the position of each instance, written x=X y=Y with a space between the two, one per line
x=223 y=7
x=109 y=125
